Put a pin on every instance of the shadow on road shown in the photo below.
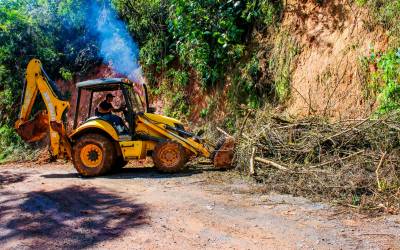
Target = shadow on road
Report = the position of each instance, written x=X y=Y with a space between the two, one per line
x=132 y=173
x=72 y=218
x=7 y=178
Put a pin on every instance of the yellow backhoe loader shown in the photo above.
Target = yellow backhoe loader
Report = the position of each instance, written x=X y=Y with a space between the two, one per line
x=96 y=145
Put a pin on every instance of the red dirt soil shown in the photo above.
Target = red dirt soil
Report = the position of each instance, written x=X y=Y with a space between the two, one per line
x=50 y=207
x=327 y=79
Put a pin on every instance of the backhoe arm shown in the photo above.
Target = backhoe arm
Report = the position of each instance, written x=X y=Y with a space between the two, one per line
x=45 y=121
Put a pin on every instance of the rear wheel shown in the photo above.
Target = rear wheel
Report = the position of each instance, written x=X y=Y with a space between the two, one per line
x=93 y=155
x=169 y=157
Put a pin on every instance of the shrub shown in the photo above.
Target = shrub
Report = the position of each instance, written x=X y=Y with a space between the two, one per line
x=385 y=80
x=11 y=145
x=387 y=14
x=209 y=36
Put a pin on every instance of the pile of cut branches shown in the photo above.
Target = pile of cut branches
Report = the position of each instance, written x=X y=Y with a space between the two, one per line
x=352 y=162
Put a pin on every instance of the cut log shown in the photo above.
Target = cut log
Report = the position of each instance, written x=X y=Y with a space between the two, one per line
x=271 y=163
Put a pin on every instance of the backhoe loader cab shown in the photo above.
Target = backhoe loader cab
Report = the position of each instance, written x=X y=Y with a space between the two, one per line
x=96 y=146
x=134 y=98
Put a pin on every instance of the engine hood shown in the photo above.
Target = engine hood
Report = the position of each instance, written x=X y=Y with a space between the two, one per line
x=163 y=119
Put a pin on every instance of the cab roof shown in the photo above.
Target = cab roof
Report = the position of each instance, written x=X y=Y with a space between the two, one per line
x=103 y=84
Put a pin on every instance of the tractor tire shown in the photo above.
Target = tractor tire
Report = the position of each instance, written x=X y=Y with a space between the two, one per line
x=93 y=155
x=169 y=157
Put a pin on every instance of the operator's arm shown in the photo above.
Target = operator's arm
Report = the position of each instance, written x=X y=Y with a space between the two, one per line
x=115 y=110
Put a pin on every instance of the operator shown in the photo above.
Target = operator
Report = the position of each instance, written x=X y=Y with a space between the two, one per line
x=104 y=110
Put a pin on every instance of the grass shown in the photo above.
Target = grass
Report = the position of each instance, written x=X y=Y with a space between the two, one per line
x=12 y=148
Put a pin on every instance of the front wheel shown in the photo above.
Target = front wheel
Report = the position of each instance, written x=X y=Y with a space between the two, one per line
x=93 y=155
x=169 y=157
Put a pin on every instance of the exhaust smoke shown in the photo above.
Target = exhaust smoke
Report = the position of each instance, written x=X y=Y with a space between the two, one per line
x=117 y=47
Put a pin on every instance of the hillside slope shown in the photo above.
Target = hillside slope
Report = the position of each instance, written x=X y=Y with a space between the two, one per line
x=328 y=79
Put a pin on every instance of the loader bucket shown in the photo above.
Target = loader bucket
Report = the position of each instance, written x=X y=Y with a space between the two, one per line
x=35 y=129
x=223 y=154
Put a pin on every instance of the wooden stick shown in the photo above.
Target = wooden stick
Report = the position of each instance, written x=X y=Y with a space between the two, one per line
x=271 y=163
x=392 y=126
x=244 y=122
x=377 y=171
x=223 y=132
x=334 y=161
x=347 y=130
x=305 y=100
x=251 y=169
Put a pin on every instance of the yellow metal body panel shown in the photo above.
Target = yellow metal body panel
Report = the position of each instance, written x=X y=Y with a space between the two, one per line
x=157 y=118
x=133 y=149
x=99 y=124
x=150 y=127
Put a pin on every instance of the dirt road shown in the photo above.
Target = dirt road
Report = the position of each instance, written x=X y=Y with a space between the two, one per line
x=47 y=207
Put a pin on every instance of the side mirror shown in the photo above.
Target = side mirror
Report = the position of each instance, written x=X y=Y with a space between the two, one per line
x=151 y=110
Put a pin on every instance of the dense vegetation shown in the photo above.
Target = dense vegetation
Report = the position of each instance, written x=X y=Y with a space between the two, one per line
x=41 y=29
x=179 y=41
x=384 y=78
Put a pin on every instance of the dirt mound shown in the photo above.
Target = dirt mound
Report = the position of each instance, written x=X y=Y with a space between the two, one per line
x=333 y=37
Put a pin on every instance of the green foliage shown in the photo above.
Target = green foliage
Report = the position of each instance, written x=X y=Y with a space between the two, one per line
x=230 y=124
x=204 y=39
x=263 y=13
x=244 y=85
x=49 y=30
x=356 y=200
x=12 y=145
x=387 y=14
x=40 y=29
x=209 y=35
x=204 y=112
x=172 y=89
x=281 y=63
x=386 y=80
x=179 y=107
x=179 y=77
x=66 y=74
